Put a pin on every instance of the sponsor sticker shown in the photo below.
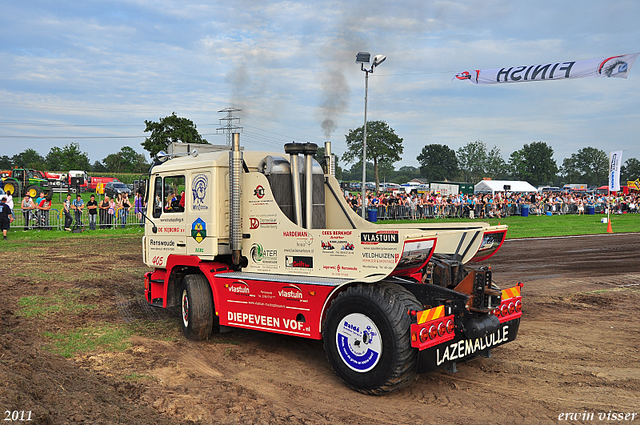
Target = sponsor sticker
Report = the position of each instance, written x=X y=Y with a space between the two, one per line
x=382 y=236
x=199 y=230
x=199 y=192
x=239 y=287
x=259 y=192
x=359 y=343
x=259 y=254
x=291 y=292
x=298 y=261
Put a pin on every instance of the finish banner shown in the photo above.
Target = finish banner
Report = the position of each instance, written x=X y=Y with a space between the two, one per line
x=615 y=160
x=611 y=67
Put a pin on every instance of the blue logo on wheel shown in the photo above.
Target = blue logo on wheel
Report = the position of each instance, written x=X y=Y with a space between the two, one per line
x=360 y=363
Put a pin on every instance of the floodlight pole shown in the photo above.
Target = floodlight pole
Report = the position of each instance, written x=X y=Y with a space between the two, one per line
x=364 y=140
x=362 y=58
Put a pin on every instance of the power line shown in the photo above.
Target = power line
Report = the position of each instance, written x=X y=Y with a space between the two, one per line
x=71 y=137
x=229 y=127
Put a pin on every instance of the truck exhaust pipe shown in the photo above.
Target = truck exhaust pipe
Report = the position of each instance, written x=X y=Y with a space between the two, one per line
x=308 y=150
x=329 y=164
x=293 y=149
x=235 y=190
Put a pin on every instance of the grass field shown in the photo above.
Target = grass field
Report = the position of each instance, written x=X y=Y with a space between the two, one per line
x=519 y=227
x=561 y=225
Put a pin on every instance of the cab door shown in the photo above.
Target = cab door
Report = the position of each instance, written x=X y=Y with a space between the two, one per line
x=167 y=213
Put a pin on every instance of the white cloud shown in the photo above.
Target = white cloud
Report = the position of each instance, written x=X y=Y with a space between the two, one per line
x=115 y=64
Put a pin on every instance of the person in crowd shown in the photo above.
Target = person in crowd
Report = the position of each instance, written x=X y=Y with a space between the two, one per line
x=138 y=205
x=77 y=206
x=66 y=209
x=111 y=212
x=104 y=213
x=27 y=209
x=124 y=209
x=6 y=217
x=36 y=211
x=580 y=207
x=413 y=207
x=92 y=207
x=44 y=206
x=10 y=200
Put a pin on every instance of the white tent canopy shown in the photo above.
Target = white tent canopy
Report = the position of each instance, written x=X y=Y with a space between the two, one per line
x=498 y=186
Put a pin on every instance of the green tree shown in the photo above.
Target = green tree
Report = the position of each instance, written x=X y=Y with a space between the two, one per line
x=534 y=163
x=630 y=170
x=496 y=167
x=405 y=174
x=167 y=130
x=28 y=159
x=319 y=156
x=5 y=162
x=98 y=167
x=67 y=158
x=383 y=146
x=472 y=160
x=126 y=161
x=589 y=165
x=438 y=162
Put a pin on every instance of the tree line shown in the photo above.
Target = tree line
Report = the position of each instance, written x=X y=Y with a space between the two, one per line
x=168 y=129
x=471 y=163
x=70 y=157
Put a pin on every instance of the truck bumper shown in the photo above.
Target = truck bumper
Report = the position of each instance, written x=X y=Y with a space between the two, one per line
x=462 y=349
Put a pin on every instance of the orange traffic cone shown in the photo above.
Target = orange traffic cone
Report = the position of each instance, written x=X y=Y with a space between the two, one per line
x=609 y=229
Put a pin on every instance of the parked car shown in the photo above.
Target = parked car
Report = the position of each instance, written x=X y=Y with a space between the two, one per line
x=389 y=187
x=112 y=189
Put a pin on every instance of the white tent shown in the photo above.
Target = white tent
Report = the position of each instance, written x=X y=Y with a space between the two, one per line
x=499 y=186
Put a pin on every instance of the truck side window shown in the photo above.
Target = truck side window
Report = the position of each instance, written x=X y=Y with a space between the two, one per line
x=157 y=198
x=174 y=199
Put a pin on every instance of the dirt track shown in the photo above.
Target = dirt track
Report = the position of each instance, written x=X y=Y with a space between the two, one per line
x=577 y=352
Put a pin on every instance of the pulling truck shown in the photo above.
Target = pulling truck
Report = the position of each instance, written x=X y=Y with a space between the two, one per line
x=266 y=241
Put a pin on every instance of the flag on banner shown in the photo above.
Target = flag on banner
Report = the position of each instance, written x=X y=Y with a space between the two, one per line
x=610 y=67
x=615 y=160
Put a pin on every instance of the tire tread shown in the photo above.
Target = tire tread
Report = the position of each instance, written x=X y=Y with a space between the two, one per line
x=200 y=307
x=394 y=301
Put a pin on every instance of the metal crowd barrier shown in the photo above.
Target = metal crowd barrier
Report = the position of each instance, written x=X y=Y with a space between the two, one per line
x=35 y=219
x=55 y=219
x=507 y=209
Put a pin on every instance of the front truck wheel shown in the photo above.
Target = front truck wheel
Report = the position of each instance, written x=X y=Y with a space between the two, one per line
x=197 y=307
x=367 y=337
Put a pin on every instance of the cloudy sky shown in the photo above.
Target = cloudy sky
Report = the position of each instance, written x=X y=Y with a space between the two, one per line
x=91 y=72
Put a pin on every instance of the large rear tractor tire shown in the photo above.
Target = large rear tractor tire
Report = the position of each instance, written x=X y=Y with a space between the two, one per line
x=12 y=186
x=33 y=191
x=367 y=337
x=197 y=307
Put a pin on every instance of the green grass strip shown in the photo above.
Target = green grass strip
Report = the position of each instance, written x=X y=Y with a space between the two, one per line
x=91 y=338
x=547 y=226
x=64 y=301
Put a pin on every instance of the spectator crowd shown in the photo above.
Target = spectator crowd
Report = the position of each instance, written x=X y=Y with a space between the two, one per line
x=102 y=214
x=500 y=204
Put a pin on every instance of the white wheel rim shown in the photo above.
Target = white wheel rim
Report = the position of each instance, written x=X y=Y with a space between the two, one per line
x=359 y=343
x=185 y=309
